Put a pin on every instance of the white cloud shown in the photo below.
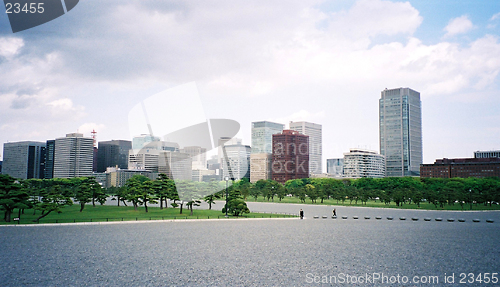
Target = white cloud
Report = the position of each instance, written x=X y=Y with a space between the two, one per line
x=459 y=25
x=251 y=61
x=494 y=17
x=368 y=18
x=10 y=46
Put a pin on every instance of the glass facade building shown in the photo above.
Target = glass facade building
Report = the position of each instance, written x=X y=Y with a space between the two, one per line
x=335 y=166
x=401 y=131
x=262 y=136
x=113 y=153
x=262 y=148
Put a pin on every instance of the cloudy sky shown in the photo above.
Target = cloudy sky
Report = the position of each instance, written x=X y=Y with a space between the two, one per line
x=319 y=61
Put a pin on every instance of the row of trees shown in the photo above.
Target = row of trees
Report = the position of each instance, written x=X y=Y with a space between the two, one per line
x=400 y=190
x=51 y=195
x=47 y=196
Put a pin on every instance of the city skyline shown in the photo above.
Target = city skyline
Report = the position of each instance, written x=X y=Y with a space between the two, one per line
x=316 y=61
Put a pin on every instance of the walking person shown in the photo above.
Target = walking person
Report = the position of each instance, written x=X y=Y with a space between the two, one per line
x=334 y=212
x=301 y=213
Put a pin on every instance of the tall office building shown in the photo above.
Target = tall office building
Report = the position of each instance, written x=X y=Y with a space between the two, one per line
x=314 y=131
x=73 y=156
x=49 y=159
x=238 y=158
x=401 y=131
x=262 y=148
x=290 y=156
x=113 y=153
x=225 y=141
x=260 y=166
x=24 y=159
x=363 y=163
x=262 y=136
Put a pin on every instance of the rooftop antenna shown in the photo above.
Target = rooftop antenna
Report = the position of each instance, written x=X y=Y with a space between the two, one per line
x=94 y=137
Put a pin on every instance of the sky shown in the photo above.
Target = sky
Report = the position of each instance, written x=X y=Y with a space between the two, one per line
x=324 y=62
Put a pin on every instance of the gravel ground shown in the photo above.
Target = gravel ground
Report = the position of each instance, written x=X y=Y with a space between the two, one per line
x=281 y=252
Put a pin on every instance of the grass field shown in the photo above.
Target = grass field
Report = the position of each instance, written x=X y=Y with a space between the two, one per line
x=101 y=213
x=372 y=203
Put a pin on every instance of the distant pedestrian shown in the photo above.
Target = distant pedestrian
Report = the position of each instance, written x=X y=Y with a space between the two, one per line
x=334 y=212
x=301 y=213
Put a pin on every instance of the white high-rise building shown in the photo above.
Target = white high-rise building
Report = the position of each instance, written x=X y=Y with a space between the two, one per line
x=226 y=141
x=314 y=131
x=238 y=158
x=73 y=156
x=400 y=117
x=363 y=163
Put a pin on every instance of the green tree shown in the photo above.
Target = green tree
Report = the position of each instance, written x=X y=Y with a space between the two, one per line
x=134 y=189
x=164 y=187
x=11 y=196
x=53 y=199
x=280 y=191
x=83 y=194
x=236 y=207
x=255 y=192
x=311 y=192
x=213 y=189
x=121 y=194
x=146 y=194
x=98 y=193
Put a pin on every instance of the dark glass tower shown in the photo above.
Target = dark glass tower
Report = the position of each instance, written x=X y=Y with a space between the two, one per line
x=113 y=153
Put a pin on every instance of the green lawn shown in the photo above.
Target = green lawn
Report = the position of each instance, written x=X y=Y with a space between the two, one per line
x=125 y=213
x=372 y=203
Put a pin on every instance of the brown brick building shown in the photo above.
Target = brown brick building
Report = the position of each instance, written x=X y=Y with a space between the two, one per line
x=461 y=167
x=290 y=158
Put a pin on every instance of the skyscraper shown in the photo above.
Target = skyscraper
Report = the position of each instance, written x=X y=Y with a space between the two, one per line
x=401 y=131
x=73 y=156
x=314 y=131
x=238 y=158
x=49 y=159
x=290 y=156
x=262 y=148
x=262 y=136
x=24 y=159
x=113 y=153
